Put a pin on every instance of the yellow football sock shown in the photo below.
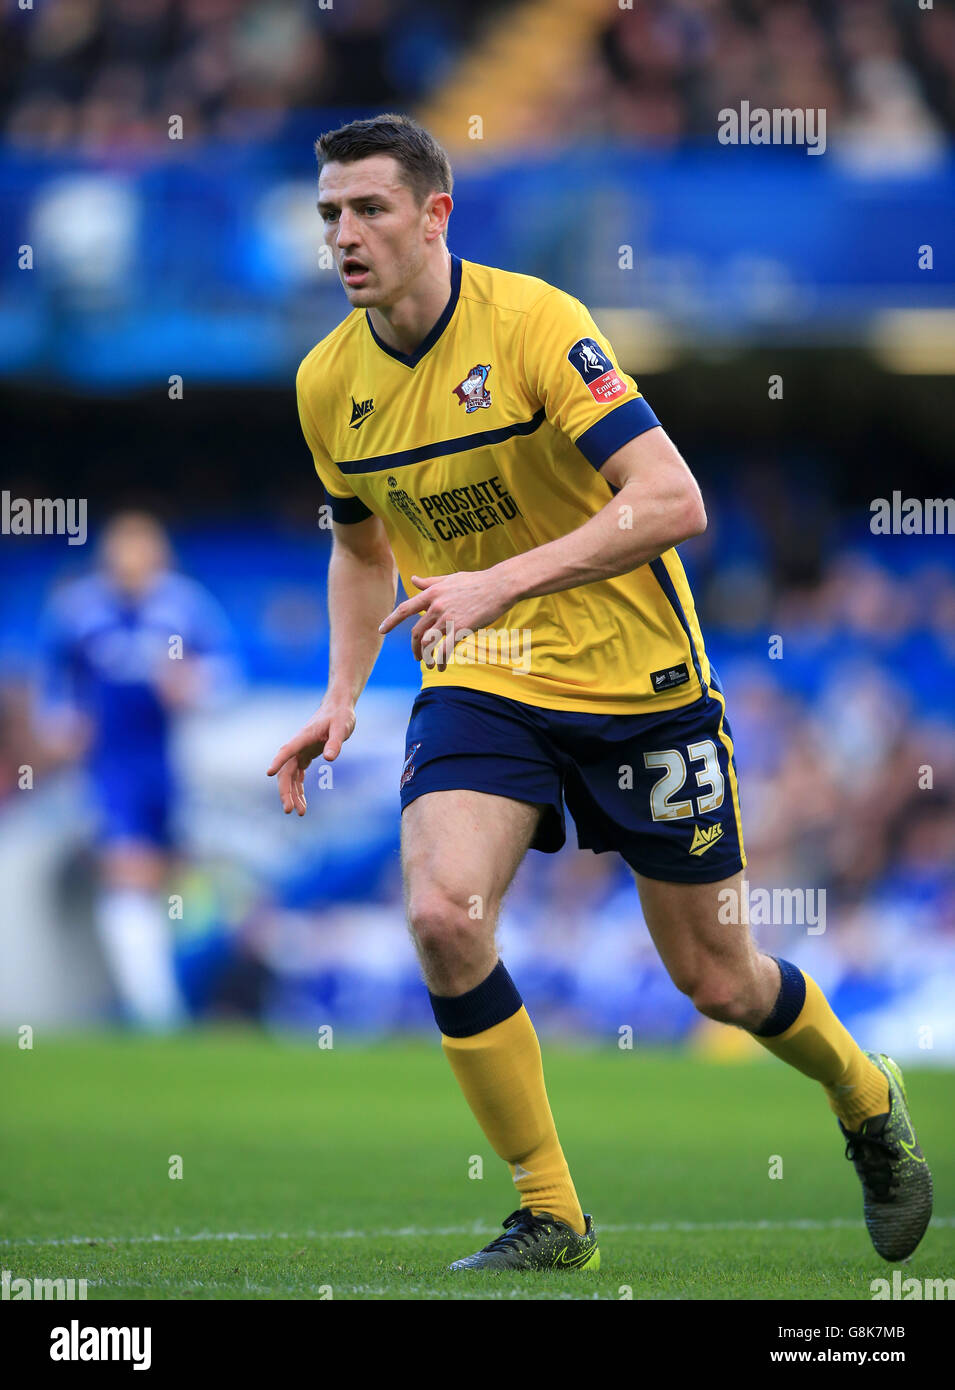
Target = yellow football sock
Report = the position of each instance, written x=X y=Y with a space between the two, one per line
x=818 y=1045
x=502 y=1077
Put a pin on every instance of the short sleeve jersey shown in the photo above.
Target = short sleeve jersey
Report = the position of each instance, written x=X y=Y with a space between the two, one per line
x=487 y=442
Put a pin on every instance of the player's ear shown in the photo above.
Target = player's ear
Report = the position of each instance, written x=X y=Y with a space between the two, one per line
x=439 y=208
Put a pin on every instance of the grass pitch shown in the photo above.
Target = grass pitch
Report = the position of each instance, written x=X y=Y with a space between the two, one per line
x=346 y=1170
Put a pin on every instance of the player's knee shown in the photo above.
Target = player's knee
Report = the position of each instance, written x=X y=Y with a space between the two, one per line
x=723 y=1008
x=720 y=998
x=444 y=925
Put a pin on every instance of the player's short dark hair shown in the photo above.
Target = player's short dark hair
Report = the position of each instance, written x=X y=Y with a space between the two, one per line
x=426 y=166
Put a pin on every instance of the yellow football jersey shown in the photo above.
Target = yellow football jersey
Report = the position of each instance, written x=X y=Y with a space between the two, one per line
x=484 y=443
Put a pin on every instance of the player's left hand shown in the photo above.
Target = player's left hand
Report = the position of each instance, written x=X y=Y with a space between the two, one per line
x=452 y=606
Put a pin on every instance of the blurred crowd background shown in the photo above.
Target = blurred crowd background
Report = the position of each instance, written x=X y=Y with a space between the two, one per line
x=105 y=74
x=792 y=321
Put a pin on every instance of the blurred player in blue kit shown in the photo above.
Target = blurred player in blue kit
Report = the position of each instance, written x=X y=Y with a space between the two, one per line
x=127 y=649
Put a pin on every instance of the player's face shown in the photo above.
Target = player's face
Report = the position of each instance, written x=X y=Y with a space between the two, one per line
x=374 y=227
x=134 y=552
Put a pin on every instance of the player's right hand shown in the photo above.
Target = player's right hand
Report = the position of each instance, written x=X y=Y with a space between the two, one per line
x=324 y=733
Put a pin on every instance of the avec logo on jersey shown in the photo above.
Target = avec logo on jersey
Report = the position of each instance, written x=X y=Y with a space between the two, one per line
x=360 y=410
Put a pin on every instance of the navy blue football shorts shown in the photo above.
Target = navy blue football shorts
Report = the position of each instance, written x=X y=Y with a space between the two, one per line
x=660 y=789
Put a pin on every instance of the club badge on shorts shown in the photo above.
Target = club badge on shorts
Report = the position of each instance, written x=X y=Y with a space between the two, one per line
x=407 y=772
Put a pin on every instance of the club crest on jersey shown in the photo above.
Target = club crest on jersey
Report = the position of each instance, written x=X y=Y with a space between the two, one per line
x=472 y=393
x=600 y=376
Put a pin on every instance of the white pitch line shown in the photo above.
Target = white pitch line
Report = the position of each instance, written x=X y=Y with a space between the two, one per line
x=180 y=1239
x=638 y=1227
x=455 y=1295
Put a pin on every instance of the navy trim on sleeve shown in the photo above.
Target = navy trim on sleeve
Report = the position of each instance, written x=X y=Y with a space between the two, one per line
x=612 y=431
x=348 y=510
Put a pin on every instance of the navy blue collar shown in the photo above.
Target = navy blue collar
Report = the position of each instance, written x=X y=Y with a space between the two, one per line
x=411 y=359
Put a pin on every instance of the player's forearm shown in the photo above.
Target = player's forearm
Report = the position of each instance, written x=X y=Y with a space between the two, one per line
x=629 y=531
x=360 y=591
